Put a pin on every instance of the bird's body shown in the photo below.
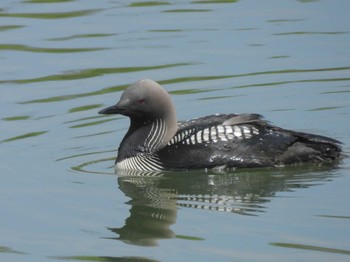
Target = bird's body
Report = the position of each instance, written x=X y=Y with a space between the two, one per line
x=156 y=141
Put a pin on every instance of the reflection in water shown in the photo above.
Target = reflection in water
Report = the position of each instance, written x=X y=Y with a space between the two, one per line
x=153 y=210
x=155 y=197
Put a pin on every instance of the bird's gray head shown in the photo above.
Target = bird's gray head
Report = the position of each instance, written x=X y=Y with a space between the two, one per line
x=144 y=102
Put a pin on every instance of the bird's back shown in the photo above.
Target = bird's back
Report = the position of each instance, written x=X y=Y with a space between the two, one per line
x=237 y=141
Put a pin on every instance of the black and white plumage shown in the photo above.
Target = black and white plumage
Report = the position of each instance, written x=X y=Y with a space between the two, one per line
x=155 y=140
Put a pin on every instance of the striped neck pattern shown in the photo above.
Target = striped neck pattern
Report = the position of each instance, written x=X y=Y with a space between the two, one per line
x=138 y=149
x=155 y=138
x=141 y=162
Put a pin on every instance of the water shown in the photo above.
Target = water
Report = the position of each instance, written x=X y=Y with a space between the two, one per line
x=62 y=61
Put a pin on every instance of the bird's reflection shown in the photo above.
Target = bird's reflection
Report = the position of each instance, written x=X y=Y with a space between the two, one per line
x=155 y=197
x=152 y=212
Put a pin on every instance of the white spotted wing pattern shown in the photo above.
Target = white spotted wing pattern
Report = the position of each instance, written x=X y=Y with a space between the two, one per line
x=214 y=134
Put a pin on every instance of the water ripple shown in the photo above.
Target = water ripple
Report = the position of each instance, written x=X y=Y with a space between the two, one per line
x=105 y=258
x=187 y=10
x=91 y=72
x=47 y=1
x=25 y=48
x=214 y=1
x=55 y=15
x=148 y=3
x=9 y=27
x=11 y=251
x=79 y=36
x=312 y=33
x=88 y=73
x=311 y=248
x=26 y=135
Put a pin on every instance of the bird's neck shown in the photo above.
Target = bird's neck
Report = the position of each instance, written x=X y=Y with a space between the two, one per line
x=146 y=137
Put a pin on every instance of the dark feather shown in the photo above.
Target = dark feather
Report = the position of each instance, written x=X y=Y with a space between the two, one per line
x=272 y=146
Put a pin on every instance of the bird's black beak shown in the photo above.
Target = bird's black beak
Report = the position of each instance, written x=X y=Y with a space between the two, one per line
x=115 y=109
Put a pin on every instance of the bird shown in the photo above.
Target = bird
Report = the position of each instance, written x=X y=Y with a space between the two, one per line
x=156 y=141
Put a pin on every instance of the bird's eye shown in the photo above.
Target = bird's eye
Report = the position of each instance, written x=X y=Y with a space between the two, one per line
x=141 y=101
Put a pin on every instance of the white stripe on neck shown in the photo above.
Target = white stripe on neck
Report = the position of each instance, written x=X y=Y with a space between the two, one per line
x=155 y=136
x=144 y=162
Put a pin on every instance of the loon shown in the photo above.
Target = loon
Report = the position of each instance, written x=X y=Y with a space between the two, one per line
x=155 y=140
